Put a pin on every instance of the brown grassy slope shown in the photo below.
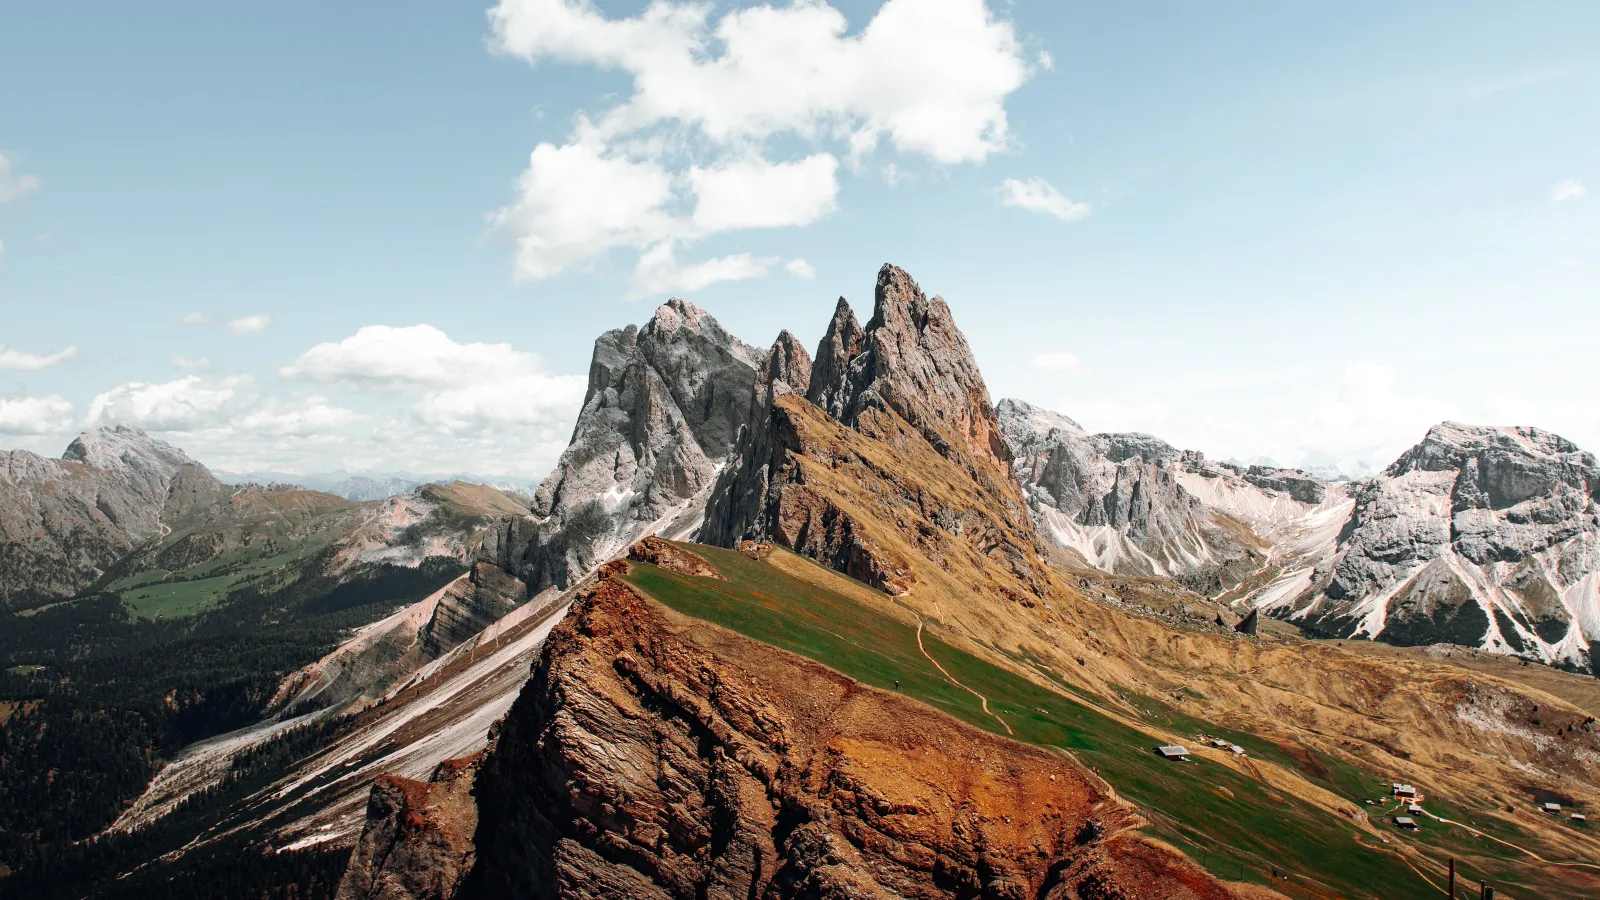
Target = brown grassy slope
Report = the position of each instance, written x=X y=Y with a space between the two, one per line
x=893 y=511
x=657 y=755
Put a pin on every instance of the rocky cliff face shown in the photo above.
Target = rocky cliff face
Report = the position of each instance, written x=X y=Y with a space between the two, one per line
x=1132 y=503
x=664 y=409
x=1478 y=536
x=912 y=361
x=894 y=437
x=64 y=521
x=742 y=487
x=649 y=759
x=418 y=839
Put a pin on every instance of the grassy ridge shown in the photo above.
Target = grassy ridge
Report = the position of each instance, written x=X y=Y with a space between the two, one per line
x=1199 y=805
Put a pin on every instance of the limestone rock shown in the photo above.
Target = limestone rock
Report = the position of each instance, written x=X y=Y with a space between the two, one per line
x=64 y=521
x=911 y=360
x=663 y=412
x=816 y=472
x=1132 y=503
x=1477 y=535
x=741 y=490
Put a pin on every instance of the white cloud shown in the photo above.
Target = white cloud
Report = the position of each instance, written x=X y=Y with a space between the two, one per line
x=192 y=363
x=1046 y=61
x=33 y=362
x=311 y=416
x=197 y=318
x=659 y=273
x=386 y=357
x=754 y=193
x=463 y=387
x=799 y=268
x=932 y=75
x=574 y=203
x=35 y=415
x=927 y=78
x=187 y=404
x=14 y=184
x=249 y=324
x=496 y=405
x=1038 y=196
x=1570 y=189
x=1055 y=362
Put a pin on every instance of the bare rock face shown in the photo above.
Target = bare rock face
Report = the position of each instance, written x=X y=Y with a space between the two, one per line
x=894 y=436
x=663 y=412
x=63 y=522
x=1476 y=535
x=913 y=361
x=742 y=487
x=417 y=842
x=1132 y=503
x=469 y=604
x=645 y=759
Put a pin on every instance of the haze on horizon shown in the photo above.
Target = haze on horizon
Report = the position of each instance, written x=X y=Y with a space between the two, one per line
x=301 y=238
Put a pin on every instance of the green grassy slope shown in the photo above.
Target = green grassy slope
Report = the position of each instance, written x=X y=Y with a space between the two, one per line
x=1232 y=822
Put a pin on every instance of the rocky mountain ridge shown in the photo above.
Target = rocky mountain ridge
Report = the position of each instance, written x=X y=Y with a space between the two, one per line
x=64 y=522
x=664 y=408
x=1477 y=535
x=1134 y=504
x=652 y=755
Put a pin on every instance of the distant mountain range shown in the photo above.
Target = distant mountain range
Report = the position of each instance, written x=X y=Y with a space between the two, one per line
x=371 y=485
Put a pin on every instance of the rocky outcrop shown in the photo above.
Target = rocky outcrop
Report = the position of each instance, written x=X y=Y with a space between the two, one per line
x=63 y=522
x=417 y=842
x=910 y=360
x=895 y=436
x=469 y=604
x=742 y=487
x=646 y=759
x=1132 y=503
x=1477 y=535
x=367 y=667
x=663 y=412
x=668 y=556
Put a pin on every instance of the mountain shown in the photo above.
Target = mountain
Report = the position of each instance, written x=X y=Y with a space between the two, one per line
x=902 y=400
x=1478 y=536
x=1132 y=503
x=746 y=720
x=651 y=757
x=877 y=675
x=63 y=522
x=367 y=485
x=662 y=413
x=152 y=611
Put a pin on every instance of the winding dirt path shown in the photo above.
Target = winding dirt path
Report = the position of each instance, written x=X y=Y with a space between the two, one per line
x=952 y=679
x=1569 y=865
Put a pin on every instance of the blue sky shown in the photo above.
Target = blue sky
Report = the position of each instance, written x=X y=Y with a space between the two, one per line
x=1252 y=229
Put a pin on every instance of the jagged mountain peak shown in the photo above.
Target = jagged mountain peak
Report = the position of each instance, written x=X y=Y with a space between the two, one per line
x=1023 y=418
x=786 y=368
x=119 y=447
x=664 y=409
x=911 y=360
x=841 y=342
x=1448 y=444
x=679 y=315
